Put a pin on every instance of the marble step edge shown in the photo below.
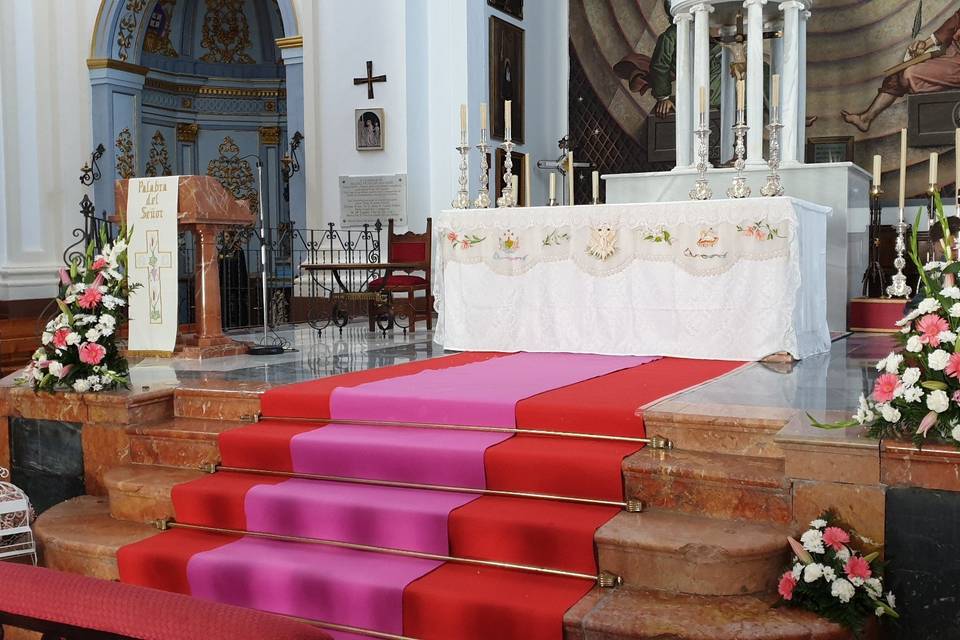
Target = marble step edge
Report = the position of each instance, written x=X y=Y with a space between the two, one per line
x=237 y=402
x=706 y=466
x=185 y=428
x=636 y=614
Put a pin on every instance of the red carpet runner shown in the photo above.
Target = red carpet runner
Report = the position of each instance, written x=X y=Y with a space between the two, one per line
x=411 y=596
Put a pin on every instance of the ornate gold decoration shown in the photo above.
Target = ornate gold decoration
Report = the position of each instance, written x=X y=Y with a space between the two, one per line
x=187 y=103
x=269 y=105
x=226 y=34
x=106 y=63
x=270 y=135
x=236 y=176
x=157 y=38
x=187 y=131
x=233 y=92
x=159 y=162
x=289 y=43
x=127 y=27
x=126 y=165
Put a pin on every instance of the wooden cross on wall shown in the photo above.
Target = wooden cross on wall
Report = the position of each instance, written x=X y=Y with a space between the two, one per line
x=370 y=79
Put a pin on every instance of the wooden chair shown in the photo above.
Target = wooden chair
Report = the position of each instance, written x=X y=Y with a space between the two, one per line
x=409 y=247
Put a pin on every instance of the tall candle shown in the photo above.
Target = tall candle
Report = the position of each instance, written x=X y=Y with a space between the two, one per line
x=956 y=163
x=739 y=95
x=514 y=185
x=703 y=101
x=507 y=119
x=553 y=186
x=483 y=115
x=463 y=118
x=570 y=178
x=775 y=97
x=934 y=158
x=876 y=171
x=903 y=165
x=526 y=179
x=596 y=186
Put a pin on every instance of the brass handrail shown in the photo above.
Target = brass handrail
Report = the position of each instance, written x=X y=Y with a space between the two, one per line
x=632 y=505
x=604 y=578
x=655 y=442
x=333 y=626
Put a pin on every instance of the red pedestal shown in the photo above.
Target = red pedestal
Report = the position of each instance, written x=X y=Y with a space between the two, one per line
x=875 y=315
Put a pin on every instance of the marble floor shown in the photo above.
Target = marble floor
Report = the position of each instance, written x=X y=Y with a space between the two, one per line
x=828 y=382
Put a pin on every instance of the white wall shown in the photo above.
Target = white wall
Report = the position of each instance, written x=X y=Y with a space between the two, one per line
x=45 y=137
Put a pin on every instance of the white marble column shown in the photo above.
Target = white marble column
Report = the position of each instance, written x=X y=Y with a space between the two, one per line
x=728 y=107
x=685 y=101
x=802 y=93
x=755 y=81
x=701 y=54
x=790 y=81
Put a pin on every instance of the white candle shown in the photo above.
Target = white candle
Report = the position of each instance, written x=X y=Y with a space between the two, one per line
x=876 y=171
x=553 y=186
x=514 y=185
x=483 y=115
x=526 y=179
x=775 y=97
x=507 y=119
x=570 y=178
x=739 y=95
x=703 y=101
x=903 y=165
x=934 y=157
x=596 y=186
x=956 y=164
x=463 y=118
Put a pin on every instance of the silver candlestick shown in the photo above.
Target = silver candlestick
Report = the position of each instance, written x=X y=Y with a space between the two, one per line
x=701 y=188
x=462 y=201
x=552 y=202
x=483 y=198
x=899 y=287
x=507 y=197
x=739 y=188
x=773 y=187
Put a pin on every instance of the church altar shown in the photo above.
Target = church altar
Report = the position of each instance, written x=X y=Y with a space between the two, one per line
x=722 y=279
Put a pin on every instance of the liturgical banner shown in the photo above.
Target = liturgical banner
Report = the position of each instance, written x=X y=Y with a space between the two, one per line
x=152 y=213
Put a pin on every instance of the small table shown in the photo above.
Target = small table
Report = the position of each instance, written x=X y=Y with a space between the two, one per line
x=380 y=298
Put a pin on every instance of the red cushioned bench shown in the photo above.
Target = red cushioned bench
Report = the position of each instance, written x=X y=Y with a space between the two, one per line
x=73 y=607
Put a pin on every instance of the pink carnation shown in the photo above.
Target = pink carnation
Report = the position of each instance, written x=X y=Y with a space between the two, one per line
x=885 y=388
x=929 y=327
x=787 y=583
x=92 y=353
x=98 y=264
x=835 y=537
x=857 y=567
x=89 y=298
x=60 y=338
x=953 y=365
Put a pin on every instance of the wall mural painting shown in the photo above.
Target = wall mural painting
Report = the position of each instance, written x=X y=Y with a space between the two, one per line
x=157 y=37
x=867 y=62
x=226 y=34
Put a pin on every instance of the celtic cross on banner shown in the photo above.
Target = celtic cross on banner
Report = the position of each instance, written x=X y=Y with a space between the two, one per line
x=153 y=260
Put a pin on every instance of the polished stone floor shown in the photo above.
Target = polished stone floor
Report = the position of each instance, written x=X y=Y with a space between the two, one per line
x=831 y=381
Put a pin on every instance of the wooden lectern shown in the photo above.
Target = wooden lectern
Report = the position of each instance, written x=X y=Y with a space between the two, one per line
x=204 y=207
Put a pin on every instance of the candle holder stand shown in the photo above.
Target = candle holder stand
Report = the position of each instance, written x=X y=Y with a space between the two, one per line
x=507 y=197
x=739 y=188
x=552 y=202
x=874 y=280
x=773 y=187
x=483 y=198
x=462 y=201
x=701 y=189
x=898 y=287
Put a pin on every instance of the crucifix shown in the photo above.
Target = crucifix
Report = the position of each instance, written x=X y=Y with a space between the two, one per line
x=370 y=79
x=153 y=260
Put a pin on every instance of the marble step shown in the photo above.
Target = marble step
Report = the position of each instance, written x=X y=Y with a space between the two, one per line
x=726 y=429
x=718 y=485
x=142 y=493
x=179 y=442
x=79 y=536
x=682 y=553
x=220 y=400
x=627 y=614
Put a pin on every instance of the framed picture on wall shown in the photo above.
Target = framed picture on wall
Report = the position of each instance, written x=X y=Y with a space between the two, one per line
x=370 y=129
x=506 y=77
x=510 y=7
x=830 y=149
x=517 y=170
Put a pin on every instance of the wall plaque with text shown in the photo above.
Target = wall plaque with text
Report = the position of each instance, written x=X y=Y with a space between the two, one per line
x=366 y=199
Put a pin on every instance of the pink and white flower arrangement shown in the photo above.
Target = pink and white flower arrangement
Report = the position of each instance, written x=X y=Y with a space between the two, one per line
x=828 y=576
x=79 y=346
x=917 y=392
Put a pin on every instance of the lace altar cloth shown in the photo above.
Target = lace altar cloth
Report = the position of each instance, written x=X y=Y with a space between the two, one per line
x=721 y=279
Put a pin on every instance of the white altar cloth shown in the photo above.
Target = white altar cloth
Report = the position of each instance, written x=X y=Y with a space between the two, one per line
x=721 y=279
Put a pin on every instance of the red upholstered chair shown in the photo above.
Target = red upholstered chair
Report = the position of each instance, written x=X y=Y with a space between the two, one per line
x=65 y=605
x=411 y=248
